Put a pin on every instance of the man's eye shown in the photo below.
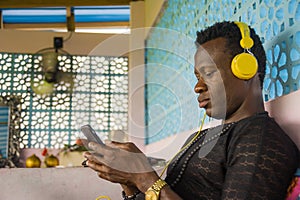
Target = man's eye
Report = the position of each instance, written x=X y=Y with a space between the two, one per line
x=209 y=74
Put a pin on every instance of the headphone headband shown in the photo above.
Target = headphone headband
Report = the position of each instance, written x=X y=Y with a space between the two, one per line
x=246 y=41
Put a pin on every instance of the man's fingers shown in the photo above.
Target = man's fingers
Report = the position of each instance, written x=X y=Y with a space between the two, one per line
x=101 y=155
x=100 y=168
x=127 y=146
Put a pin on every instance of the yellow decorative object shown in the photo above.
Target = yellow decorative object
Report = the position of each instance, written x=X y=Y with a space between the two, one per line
x=33 y=162
x=51 y=161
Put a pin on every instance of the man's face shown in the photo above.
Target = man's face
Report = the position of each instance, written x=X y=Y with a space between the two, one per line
x=221 y=94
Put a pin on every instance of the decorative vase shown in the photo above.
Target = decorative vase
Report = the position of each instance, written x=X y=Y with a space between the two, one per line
x=51 y=161
x=33 y=161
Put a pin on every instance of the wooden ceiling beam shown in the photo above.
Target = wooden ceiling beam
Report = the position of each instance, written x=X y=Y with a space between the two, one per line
x=60 y=3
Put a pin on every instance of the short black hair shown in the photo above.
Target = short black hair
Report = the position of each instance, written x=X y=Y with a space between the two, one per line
x=231 y=32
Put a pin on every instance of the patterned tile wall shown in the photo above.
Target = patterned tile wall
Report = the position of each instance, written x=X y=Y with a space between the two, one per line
x=171 y=104
x=99 y=97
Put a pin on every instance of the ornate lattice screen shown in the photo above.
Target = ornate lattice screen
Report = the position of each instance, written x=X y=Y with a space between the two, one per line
x=99 y=97
x=276 y=21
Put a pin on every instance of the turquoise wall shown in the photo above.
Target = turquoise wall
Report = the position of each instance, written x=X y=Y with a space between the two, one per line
x=171 y=105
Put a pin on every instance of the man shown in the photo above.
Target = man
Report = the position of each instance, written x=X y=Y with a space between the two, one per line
x=251 y=156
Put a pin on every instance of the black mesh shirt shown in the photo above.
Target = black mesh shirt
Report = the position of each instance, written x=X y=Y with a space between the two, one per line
x=251 y=159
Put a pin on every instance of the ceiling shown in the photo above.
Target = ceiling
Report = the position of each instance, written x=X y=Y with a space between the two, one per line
x=65 y=15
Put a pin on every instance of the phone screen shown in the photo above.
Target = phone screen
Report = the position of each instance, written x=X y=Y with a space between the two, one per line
x=91 y=134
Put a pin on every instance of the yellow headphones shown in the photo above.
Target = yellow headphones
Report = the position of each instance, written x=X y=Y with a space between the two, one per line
x=244 y=65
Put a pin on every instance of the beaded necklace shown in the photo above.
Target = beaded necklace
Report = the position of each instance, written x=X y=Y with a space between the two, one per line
x=189 y=156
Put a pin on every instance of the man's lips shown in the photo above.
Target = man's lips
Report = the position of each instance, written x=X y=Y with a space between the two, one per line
x=203 y=103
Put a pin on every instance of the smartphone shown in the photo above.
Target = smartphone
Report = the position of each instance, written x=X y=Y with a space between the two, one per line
x=91 y=134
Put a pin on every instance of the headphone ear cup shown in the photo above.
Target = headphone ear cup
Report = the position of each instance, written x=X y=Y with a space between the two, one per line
x=244 y=66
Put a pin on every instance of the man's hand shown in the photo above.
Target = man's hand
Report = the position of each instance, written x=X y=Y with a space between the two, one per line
x=121 y=163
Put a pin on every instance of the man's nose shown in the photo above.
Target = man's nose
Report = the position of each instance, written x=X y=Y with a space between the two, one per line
x=200 y=86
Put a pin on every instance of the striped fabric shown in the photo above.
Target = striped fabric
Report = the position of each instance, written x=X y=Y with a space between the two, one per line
x=4 y=132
